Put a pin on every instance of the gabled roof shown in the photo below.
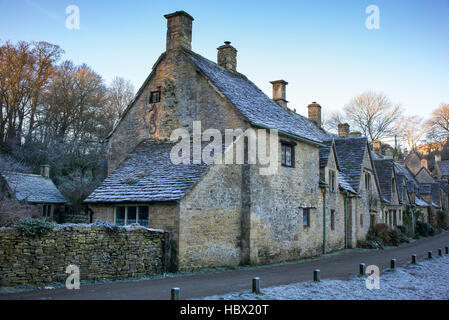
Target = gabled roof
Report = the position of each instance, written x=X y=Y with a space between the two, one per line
x=384 y=170
x=350 y=153
x=253 y=104
x=325 y=151
x=443 y=166
x=148 y=175
x=425 y=188
x=412 y=184
x=33 y=188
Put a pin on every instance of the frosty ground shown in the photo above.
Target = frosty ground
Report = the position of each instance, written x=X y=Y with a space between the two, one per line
x=428 y=280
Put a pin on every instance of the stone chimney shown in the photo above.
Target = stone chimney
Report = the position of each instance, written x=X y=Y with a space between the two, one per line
x=377 y=146
x=343 y=130
x=280 y=93
x=437 y=158
x=424 y=163
x=315 y=113
x=179 y=30
x=227 y=56
x=45 y=171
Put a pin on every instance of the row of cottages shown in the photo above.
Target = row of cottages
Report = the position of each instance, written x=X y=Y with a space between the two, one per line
x=33 y=189
x=408 y=183
x=324 y=196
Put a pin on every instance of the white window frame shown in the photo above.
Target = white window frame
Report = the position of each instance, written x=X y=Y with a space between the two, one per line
x=126 y=214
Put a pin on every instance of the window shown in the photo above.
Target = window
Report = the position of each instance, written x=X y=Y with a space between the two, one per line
x=361 y=220
x=306 y=217
x=155 y=96
x=332 y=180
x=46 y=210
x=288 y=154
x=332 y=219
x=367 y=181
x=125 y=215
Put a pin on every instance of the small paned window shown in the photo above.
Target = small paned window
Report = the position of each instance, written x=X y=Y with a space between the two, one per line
x=287 y=155
x=155 y=96
x=306 y=217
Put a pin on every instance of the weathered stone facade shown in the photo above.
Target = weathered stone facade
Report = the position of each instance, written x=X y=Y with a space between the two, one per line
x=99 y=252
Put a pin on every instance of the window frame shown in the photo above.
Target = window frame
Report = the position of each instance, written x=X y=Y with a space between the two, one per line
x=306 y=213
x=284 y=145
x=152 y=99
x=125 y=223
x=332 y=180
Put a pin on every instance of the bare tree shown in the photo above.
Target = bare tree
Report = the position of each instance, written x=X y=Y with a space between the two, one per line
x=120 y=94
x=411 y=130
x=373 y=114
x=332 y=120
x=440 y=120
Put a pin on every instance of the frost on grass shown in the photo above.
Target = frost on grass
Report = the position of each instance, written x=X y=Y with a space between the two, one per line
x=429 y=280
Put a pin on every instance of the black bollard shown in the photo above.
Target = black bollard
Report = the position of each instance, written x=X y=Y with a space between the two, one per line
x=414 y=259
x=362 y=269
x=316 y=275
x=393 y=264
x=447 y=250
x=440 y=252
x=429 y=254
x=175 y=293
x=256 y=285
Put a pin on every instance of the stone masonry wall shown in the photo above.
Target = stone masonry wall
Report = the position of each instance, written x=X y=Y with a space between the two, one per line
x=186 y=96
x=100 y=251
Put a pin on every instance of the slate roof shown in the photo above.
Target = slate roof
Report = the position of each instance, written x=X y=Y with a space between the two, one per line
x=444 y=184
x=436 y=194
x=324 y=153
x=412 y=184
x=384 y=170
x=350 y=152
x=33 y=188
x=148 y=175
x=444 y=167
x=420 y=202
x=255 y=105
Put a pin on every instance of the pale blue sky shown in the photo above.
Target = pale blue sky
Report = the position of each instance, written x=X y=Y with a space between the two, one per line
x=322 y=48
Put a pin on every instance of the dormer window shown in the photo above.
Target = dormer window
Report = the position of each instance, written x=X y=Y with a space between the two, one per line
x=155 y=96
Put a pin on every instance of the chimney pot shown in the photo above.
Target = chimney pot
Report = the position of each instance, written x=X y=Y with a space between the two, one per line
x=179 y=30
x=227 y=56
x=343 y=130
x=45 y=171
x=315 y=113
x=377 y=146
x=437 y=158
x=280 y=93
x=424 y=163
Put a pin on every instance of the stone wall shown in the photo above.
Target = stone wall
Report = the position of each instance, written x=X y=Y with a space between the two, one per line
x=276 y=212
x=101 y=251
x=186 y=96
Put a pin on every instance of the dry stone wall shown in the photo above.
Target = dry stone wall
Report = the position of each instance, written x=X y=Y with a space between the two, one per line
x=101 y=251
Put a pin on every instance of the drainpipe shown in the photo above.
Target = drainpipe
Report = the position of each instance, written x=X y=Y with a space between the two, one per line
x=324 y=188
x=346 y=218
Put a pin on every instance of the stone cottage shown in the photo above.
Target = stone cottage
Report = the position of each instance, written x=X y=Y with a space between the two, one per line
x=230 y=214
x=34 y=189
